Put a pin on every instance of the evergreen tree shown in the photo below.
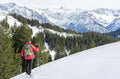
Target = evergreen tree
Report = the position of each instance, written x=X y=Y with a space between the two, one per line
x=20 y=35
x=4 y=23
x=60 y=49
x=38 y=40
x=42 y=56
x=7 y=63
x=91 y=44
x=75 y=49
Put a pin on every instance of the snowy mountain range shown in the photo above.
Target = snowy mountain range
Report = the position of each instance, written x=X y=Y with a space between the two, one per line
x=98 y=20
x=97 y=63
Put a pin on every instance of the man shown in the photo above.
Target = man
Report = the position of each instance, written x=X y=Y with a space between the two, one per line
x=27 y=53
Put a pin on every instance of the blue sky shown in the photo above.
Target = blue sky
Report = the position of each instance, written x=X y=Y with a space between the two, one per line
x=82 y=4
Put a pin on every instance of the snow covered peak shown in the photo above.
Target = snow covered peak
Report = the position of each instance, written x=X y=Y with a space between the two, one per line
x=110 y=12
x=22 y=10
x=103 y=19
x=57 y=10
x=7 y=6
x=103 y=11
x=114 y=25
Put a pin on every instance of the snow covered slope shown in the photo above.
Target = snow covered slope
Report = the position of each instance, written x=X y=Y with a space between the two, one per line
x=10 y=19
x=81 y=20
x=97 y=63
x=114 y=25
x=22 y=10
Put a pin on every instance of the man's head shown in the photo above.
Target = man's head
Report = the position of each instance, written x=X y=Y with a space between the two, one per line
x=28 y=42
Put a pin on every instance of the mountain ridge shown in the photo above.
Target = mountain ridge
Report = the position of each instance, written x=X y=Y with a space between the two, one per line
x=97 y=20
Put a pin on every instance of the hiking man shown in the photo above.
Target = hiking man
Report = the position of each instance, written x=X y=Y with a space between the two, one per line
x=27 y=53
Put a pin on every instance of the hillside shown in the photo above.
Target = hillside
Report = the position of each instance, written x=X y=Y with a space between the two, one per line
x=97 y=63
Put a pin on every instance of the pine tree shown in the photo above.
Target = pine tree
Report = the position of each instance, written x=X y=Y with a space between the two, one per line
x=91 y=44
x=42 y=56
x=76 y=49
x=4 y=23
x=7 y=63
x=21 y=34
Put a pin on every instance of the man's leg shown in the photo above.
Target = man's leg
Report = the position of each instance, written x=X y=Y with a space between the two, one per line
x=29 y=66
x=26 y=66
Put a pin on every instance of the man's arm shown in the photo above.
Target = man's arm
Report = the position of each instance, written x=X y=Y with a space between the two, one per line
x=35 y=49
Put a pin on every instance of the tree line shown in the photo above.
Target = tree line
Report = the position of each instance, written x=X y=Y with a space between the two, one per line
x=74 y=44
x=114 y=34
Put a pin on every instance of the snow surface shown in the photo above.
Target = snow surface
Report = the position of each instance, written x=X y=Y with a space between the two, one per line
x=36 y=30
x=10 y=20
x=52 y=52
x=64 y=34
x=104 y=19
x=97 y=63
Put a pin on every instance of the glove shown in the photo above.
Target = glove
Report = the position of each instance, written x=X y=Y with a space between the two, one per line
x=37 y=46
x=22 y=58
